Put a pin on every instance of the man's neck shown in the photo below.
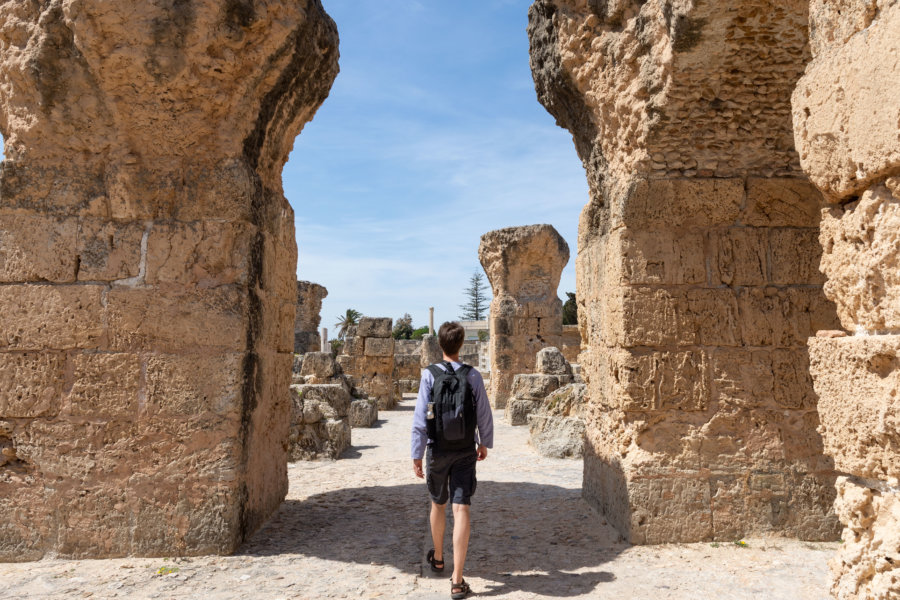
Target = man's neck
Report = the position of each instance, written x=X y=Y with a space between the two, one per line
x=454 y=358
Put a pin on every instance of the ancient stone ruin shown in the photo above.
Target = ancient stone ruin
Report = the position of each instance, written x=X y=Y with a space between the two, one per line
x=698 y=284
x=367 y=356
x=320 y=407
x=148 y=268
x=556 y=428
x=523 y=266
x=552 y=371
x=306 y=328
x=846 y=116
x=698 y=266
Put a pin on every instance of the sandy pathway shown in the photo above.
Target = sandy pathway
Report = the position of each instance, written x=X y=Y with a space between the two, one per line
x=356 y=528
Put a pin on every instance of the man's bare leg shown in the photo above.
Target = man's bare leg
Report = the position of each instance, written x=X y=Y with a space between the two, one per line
x=438 y=524
x=462 y=526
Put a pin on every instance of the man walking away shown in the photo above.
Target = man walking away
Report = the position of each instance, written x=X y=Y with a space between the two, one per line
x=454 y=427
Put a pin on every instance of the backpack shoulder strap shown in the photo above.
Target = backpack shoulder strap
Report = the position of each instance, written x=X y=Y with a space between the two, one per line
x=436 y=371
x=463 y=370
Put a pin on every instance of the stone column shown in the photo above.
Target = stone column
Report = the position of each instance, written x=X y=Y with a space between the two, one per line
x=523 y=265
x=324 y=338
x=846 y=114
x=431 y=321
x=147 y=263
x=309 y=307
x=697 y=278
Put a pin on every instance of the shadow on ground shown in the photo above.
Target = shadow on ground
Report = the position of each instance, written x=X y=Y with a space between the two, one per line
x=525 y=536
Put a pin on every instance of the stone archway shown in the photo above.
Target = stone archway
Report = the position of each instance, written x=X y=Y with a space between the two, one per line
x=697 y=264
x=147 y=269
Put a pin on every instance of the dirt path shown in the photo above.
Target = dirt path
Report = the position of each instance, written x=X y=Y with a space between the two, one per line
x=357 y=528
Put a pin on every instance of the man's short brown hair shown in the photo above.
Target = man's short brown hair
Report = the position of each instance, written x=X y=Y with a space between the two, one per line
x=451 y=336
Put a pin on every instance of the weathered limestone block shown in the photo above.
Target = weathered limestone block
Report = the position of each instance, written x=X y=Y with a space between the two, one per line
x=556 y=427
x=320 y=427
x=550 y=361
x=319 y=367
x=379 y=347
x=431 y=351
x=523 y=265
x=846 y=124
x=406 y=366
x=697 y=264
x=148 y=261
x=845 y=127
x=306 y=326
x=363 y=413
x=371 y=327
x=368 y=359
x=861 y=259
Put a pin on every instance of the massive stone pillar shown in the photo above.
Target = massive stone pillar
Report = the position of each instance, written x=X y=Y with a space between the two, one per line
x=523 y=265
x=147 y=268
x=306 y=326
x=697 y=264
x=847 y=128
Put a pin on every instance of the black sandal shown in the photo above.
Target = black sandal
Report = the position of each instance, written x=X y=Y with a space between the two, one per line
x=436 y=565
x=459 y=590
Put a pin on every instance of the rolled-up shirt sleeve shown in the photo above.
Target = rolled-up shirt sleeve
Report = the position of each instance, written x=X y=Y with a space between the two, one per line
x=483 y=415
x=419 y=432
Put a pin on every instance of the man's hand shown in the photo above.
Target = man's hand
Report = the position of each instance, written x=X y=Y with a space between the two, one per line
x=481 y=452
x=417 y=468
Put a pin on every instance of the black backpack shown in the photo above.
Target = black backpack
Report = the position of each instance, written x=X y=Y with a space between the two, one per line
x=453 y=425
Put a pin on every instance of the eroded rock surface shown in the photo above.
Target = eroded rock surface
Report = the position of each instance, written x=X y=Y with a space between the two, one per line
x=306 y=327
x=557 y=426
x=148 y=268
x=523 y=265
x=698 y=281
x=847 y=128
x=367 y=357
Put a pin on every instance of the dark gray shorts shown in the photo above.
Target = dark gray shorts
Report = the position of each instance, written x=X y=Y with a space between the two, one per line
x=450 y=476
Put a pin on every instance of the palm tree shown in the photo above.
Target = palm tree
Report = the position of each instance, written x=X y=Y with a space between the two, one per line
x=347 y=320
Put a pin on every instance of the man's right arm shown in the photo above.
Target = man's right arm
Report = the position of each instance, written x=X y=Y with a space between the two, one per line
x=419 y=431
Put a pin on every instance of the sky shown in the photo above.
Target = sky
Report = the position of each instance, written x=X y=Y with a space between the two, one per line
x=432 y=135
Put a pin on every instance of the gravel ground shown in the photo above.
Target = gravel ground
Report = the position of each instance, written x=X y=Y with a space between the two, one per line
x=357 y=528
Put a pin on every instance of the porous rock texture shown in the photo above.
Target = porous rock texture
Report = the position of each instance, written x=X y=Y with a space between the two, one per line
x=523 y=266
x=367 y=357
x=556 y=427
x=530 y=389
x=306 y=326
x=847 y=128
x=697 y=278
x=147 y=268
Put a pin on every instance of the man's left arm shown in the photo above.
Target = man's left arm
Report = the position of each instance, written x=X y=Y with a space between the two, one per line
x=483 y=416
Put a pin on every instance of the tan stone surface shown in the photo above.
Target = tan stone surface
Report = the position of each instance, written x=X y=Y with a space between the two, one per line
x=845 y=126
x=866 y=563
x=523 y=265
x=148 y=261
x=307 y=337
x=861 y=260
x=368 y=359
x=697 y=267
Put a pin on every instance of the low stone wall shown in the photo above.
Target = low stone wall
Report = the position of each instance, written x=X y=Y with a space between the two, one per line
x=306 y=326
x=368 y=359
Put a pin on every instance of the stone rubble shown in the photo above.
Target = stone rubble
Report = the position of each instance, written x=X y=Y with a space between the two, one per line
x=557 y=426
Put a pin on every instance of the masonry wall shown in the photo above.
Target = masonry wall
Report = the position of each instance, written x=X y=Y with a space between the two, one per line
x=368 y=358
x=847 y=128
x=697 y=265
x=147 y=263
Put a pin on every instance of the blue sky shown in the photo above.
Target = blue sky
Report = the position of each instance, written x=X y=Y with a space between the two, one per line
x=432 y=135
